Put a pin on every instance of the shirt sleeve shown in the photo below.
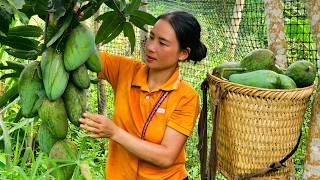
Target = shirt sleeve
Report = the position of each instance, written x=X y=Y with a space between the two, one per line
x=111 y=66
x=185 y=115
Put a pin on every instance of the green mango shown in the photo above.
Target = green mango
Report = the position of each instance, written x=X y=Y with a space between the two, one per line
x=75 y=103
x=302 y=72
x=94 y=62
x=54 y=114
x=224 y=70
x=31 y=90
x=64 y=150
x=258 y=59
x=55 y=77
x=79 y=46
x=80 y=77
x=45 y=138
x=286 y=82
x=260 y=78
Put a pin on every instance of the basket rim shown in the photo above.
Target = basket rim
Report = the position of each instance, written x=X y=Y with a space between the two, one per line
x=210 y=76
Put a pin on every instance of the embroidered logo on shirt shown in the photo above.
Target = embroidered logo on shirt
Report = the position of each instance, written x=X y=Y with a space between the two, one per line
x=161 y=110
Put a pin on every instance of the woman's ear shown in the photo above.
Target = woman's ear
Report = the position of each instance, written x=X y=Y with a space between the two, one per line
x=184 y=54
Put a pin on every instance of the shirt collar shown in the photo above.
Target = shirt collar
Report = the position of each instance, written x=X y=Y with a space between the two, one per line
x=140 y=79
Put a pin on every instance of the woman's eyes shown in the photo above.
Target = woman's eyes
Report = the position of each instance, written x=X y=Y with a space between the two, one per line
x=161 y=43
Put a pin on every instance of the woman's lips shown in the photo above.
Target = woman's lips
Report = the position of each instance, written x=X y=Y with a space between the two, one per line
x=150 y=59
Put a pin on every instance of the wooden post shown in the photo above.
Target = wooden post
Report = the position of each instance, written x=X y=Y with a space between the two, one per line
x=275 y=29
x=235 y=26
x=312 y=163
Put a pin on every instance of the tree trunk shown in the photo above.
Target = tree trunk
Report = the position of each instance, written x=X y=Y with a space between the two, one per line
x=235 y=26
x=101 y=87
x=275 y=30
x=312 y=163
x=143 y=35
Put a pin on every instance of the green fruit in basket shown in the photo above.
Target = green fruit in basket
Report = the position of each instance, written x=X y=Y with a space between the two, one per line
x=258 y=59
x=302 y=72
x=226 y=69
x=286 y=82
x=278 y=69
x=260 y=78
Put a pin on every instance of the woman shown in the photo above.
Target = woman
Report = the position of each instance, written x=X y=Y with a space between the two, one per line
x=154 y=148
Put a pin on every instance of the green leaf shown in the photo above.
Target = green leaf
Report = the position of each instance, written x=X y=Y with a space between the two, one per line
x=36 y=7
x=18 y=116
x=107 y=16
x=64 y=26
x=59 y=8
x=10 y=75
x=129 y=32
x=23 y=54
x=18 y=42
x=6 y=16
x=23 y=18
x=115 y=32
x=144 y=17
x=113 y=4
x=18 y=3
x=12 y=65
x=134 y=5
x=122 y=5
x=107 y=27
x=11 y=94
x=88 y=12
x=138 y=23
x=25 y=31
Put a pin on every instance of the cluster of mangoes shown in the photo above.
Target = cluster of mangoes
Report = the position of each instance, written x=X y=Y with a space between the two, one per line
x=55 y=89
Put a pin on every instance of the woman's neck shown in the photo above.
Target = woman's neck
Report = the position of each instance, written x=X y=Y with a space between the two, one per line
x=158 y=77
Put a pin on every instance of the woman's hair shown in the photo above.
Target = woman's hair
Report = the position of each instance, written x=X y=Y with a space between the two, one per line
x=187 y=30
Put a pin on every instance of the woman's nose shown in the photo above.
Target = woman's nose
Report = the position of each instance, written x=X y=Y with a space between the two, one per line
x=150 y=45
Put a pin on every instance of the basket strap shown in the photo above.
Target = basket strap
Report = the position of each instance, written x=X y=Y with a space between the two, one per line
x=213 y=159
x=275 y=166
x=202 y=132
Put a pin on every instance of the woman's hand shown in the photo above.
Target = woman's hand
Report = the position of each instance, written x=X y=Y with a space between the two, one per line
x=99 y=125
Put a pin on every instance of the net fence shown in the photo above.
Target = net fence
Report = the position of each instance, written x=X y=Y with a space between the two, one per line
x=230 y=30
x=226 y=39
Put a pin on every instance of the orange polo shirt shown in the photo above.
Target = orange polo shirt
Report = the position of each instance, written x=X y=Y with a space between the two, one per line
x=133 y=101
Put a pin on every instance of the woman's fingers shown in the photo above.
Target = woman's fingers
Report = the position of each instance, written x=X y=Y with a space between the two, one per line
x=89 y=122
x=89 y=128
x=94 y=117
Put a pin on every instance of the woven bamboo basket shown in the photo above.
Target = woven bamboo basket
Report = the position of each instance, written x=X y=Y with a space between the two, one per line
x=256 y=127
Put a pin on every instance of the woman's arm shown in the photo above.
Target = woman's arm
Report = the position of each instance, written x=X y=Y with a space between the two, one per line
x=162 y=155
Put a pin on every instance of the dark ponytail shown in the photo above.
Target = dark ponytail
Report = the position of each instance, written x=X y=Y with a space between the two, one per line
x=187 y=30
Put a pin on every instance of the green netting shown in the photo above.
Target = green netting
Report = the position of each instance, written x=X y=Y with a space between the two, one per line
x=216 y=17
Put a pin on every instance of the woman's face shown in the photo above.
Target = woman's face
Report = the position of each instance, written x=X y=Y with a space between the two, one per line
x=162 y=47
